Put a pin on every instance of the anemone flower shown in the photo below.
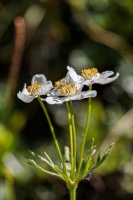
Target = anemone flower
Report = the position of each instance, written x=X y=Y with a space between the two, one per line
x=67 y=92
x=91 y=75
x=57 y=91
x=39 y=86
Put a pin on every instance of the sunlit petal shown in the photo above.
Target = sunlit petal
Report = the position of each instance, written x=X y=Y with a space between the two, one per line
x=45 y=88
x=38 y=78
x=24 y=97
x=105 y=79
x=53 y=100
x=74 y=75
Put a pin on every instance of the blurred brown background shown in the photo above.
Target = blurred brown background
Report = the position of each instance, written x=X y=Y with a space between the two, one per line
x=44 y=36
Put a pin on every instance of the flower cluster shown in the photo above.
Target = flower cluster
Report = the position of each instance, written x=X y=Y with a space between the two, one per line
x=71 y=170
x=66 y=89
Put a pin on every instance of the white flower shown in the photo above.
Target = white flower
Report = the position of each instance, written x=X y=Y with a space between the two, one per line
x=79 y=96
x=39 y=86
x=57 y=90
x=67 y=92
x=67 y=89
x=91 y=75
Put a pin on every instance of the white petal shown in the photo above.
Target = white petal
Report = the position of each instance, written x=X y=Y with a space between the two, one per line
x=38 y=78
x=74 y=75
x=53 y=100
x=103 y=79
x=88 y=82
x=25 y=91
x=45 y=88
x=89 y=93
x=82 y=95
x=106 y=74
x=24 y=97
x=55 y=92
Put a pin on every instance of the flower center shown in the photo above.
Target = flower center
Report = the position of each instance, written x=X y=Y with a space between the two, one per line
x=60 y=82
x=33 y=89
x=89 y=73
x=68 y=89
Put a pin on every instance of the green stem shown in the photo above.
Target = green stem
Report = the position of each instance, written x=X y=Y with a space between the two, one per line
x=74 y=138
x=85 y=133
x=71 y=136
x=52 y=129
x=72 y=194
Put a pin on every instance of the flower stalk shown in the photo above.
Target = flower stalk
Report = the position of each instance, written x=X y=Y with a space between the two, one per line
x=74 y=138
x=73 y=194
x=71 y=137
x=52 y=130
x=72 y=133
x=85 y=132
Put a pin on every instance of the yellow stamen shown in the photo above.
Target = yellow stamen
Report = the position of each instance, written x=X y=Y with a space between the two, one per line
x=33 y=89
x=57 y=83
x=68 y=89
x=60 y=82
x=89 y=73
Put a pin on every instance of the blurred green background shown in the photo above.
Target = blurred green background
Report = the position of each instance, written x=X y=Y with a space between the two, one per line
x=44 y=36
